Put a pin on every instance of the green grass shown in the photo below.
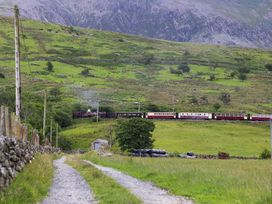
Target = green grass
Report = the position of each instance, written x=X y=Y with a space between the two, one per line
x=32 y=184
x=119 y=72
x=204 y=137
x=205 y=181
x=105 y=189
x=236 y=138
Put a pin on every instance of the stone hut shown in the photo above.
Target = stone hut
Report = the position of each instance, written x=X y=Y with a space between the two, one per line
x=99 y=144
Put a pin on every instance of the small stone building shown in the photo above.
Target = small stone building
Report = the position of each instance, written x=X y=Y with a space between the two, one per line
x=99 y=144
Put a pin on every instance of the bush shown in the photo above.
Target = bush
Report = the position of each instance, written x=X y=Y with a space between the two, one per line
x=242 y=76
x=225 y=98
x=184 y=67
x=55 y=92
x=135 y=133
x=2 y=76
x=63 y=118
x=216 y=106
x=243 y=70
x=268 y=67
x=65 y=144
x=85 y=72
x=50 y=67
x=212 y=77
x=265 y=154
x=223 y=155
x=232 y=74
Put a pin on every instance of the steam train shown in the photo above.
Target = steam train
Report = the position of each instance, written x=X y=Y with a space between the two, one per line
x=177 y=116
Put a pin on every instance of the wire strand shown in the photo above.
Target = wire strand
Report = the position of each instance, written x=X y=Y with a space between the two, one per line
x=25 y=46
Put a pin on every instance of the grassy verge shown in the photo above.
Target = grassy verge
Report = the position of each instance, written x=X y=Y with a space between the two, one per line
x=32 y=184
x=106 y=190
x=206 y=181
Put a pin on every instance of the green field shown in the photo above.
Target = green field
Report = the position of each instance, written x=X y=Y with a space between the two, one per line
x=125 y=69
x=205 y=181
x=236 y=138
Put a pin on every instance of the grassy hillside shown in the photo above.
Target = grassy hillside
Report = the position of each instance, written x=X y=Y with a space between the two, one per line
x=239 y=139
x=124 y=69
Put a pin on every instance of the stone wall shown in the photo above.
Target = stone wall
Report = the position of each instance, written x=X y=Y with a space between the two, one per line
x=14 y=155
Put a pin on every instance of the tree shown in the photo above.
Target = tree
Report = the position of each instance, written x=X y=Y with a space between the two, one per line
x=2 y=76
x=50 y=67
x=55 y=92
x=135 y=133
x=216 y=106
x=184 y=67
x=268 y=67
x=225 y=98
x=232 y=74
x=63 y=117
x=152 y=108
x=242 y=76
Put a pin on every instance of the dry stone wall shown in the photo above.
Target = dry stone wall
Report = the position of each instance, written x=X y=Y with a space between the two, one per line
x=18 y=147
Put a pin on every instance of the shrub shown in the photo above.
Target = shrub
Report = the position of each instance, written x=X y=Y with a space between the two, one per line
x=63 y=117
x=223 y=155
x=225 y=98
x=216 y=106
x=2 y=76
x=268 y=67
x=135 y=133
x=50 y=67
x=265 y=154
x=65 y=144
x=55 y=92
x=232 y=74
x=85 y=72
x=212 y=77
x=243 y=70
x=184 y=67
x=242 y=76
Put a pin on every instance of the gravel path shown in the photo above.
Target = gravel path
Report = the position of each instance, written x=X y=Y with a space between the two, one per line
x=68 y=186
x=145 y=191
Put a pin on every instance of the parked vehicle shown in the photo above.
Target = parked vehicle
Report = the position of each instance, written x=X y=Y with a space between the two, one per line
x=195 y=116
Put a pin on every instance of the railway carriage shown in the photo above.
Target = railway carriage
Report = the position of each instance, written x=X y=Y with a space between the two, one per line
x=125 y=115
x=260 y=117
x=195 y=116
x=161 y=115
x=230 y=116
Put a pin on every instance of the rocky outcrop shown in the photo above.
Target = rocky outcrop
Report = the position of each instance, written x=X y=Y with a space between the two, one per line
x=14 y=155
x=230 y=22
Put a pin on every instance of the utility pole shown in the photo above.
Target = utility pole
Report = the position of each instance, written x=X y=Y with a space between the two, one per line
x=271 y=134
x=51 y=132
x=44 y=112
x=17 y=62
x=57 y=135
x=97 y=112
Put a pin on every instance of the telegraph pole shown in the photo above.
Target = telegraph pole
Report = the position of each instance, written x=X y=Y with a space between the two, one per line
x=44 y=112
x=97 y=112
x=51 y=132
x=271 y=134
x=17 y=62
x=57 y=135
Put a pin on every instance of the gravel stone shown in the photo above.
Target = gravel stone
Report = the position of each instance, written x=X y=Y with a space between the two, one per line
x=68 y=186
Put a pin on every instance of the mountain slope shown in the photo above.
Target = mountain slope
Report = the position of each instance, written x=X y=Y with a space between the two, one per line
x=125 y=69
x=233 y=22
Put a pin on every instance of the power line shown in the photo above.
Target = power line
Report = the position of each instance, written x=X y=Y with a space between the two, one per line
x=25 y=46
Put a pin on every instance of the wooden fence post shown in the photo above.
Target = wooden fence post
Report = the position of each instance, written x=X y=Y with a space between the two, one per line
x=2 y=122
x=7 y=122
x=12 y=124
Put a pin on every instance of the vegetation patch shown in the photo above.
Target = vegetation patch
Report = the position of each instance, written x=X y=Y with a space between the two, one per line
x=32 y=184
x=106 y=190
x=206 y=181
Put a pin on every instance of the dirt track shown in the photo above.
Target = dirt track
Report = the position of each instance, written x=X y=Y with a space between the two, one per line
x=68 y=186
x=145 y=191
